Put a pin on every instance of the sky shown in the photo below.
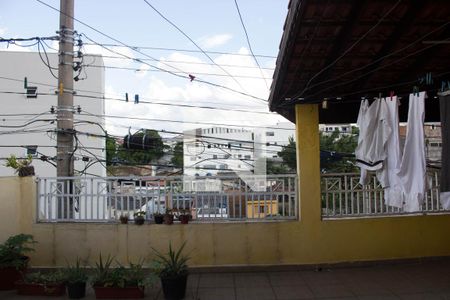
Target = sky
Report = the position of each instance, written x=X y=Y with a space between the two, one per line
x=214 y=26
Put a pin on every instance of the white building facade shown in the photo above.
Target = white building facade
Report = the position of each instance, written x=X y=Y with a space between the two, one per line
x=209 y=151
x=28 y=122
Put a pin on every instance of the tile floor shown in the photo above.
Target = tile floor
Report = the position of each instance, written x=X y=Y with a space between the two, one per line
x=419 y=280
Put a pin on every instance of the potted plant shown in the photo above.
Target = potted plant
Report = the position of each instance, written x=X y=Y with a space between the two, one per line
x=123 y=218
x=173 y=271
x=13 y=260
x=75 y=277
x=168 y=217
x=139 y=217
x=21 y=166
x=158 y=217
x=118 y=282
x=184 y=216
x=41 y=284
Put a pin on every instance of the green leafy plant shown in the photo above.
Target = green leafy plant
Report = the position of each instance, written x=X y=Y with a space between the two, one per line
x=21 y=166
x=136 y=275
x=55 y=277
x=106 y=275
x=12 y=252
x=102 y=271
x=75 y=273
x=172 y=264
x=139 y=213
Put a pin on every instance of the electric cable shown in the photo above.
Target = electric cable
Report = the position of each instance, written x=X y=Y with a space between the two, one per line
x=249 y=44
x=134 y=49
x=193 y=42
x=178 y=75
x=192 y=63
x=197 y=73
x=351 y=47
x=187 y=50
x=381 y=58
x=93 y=92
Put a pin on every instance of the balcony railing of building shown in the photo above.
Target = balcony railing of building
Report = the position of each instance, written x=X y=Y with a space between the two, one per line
x=344 y=197
x=207 y=199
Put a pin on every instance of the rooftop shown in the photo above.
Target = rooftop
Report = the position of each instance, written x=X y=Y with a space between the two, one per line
x=344 y=50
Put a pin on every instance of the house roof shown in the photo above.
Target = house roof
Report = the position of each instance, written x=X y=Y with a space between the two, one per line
x=342 y=50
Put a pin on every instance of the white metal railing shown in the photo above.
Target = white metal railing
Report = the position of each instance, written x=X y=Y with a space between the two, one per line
x=211 y=199
x=344 y=197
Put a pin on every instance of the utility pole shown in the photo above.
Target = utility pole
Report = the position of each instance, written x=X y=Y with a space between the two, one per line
x=65 y=91
x=65 y=132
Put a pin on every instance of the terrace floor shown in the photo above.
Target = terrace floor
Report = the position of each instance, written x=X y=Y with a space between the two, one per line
x=407 y=280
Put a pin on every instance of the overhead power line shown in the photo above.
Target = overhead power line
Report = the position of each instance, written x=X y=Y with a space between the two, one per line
x=188 y=122
x=350 y=48
x=193 y=42
x=334 y=78
x=94 y=92
x=248 y=42
x=191 y=62
x=198 y=73
x=152 y=103
x=187 y=50
x=142 y=53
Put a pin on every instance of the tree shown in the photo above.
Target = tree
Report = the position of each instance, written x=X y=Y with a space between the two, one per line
x=289 y=154
x=337 y=152
x=274 y=167
x=135 y=156
x=178 y=155
x=111 y=152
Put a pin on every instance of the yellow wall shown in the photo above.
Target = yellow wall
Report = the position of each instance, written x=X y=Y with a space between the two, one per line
x=268 y=207
x=307 y=241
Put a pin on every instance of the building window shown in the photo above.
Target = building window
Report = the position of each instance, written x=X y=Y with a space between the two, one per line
x=214 y=156
x=270 y=133
x=247 y=157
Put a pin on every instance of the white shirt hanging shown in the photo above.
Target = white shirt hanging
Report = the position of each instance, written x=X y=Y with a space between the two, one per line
x=412 y=171
x=374 y=132
x=393 y=192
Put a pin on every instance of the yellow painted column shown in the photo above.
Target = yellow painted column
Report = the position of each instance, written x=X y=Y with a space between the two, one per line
x=308 y=162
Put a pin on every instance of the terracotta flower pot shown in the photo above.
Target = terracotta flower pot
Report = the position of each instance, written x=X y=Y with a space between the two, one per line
x=168 y=219
x=184 y=219
x=133 y=292
x=9 y=275
x=33 y=289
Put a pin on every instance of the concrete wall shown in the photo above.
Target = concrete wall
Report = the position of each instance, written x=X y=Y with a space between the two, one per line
x=308 y=241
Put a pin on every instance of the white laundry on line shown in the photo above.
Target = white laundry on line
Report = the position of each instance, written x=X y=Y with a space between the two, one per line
x=412 y=171
x=393 y=195
x=374 y=133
